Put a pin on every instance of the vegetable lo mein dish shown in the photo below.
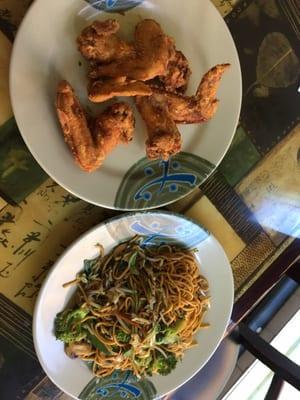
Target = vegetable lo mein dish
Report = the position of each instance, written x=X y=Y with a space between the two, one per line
x=137 y=308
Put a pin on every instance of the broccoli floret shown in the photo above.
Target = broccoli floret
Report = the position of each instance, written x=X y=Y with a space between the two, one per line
x=123 y=337
x=169 y=334
x=162 y=365
x=68 y=327
x=143 y=362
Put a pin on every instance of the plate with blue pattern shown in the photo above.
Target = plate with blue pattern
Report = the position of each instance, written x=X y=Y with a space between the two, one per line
x=73 y=376
x=127 y=180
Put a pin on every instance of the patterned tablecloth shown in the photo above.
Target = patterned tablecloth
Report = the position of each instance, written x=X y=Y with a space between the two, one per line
x=251 y=203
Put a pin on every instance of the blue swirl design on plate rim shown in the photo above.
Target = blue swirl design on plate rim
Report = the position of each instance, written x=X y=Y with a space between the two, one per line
x=153 y=183
x=164 y=227
x=186 y=233
x=119 y=385
x=166 y=179
x=123 y=388
x=114 y=5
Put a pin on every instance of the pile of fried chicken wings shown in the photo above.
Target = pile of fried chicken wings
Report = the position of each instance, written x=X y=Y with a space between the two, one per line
x=152 y=71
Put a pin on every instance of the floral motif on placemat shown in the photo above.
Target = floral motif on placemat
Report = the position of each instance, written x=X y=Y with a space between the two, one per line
x=269 y=58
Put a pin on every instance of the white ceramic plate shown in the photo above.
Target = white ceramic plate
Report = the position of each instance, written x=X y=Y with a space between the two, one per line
x=73 y=376
x=45 y=52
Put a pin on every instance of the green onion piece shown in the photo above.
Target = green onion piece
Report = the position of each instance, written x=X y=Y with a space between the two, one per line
x=96 y=343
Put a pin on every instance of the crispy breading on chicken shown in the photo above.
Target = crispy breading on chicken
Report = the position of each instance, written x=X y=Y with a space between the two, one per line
x=162 y=110
x=99 y=42
x=177 y=75
x=76 y=130
x=102 y=90
x=164 y=139
x=199 y=108
x=90 y=141
x=114 y=126
x=153 y=50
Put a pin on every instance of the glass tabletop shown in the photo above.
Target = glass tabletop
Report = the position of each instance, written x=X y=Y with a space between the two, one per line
x=250 y=203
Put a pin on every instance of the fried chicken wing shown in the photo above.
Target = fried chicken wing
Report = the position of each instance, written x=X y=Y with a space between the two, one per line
x=198 y=108
x=100 y=43
x=91 y=141
x=99 y=91
x=75 y=128
x=177 y=75
x=164 y=139
x=153 y=50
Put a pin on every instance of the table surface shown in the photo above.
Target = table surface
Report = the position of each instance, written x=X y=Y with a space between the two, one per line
x=250 y=203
